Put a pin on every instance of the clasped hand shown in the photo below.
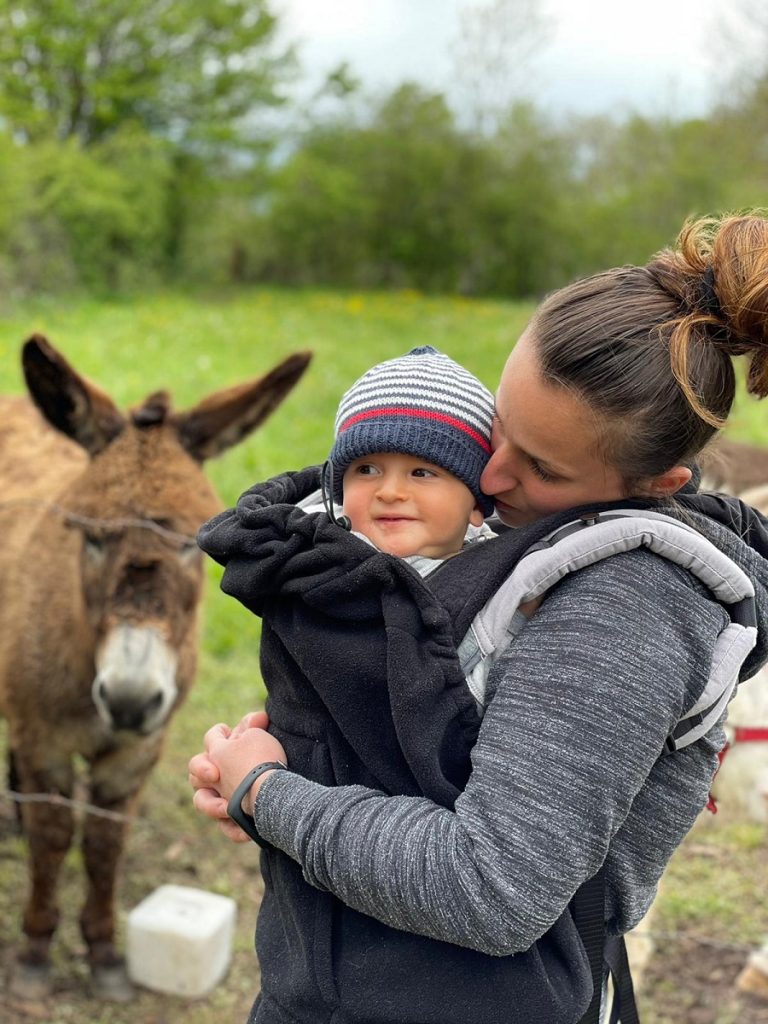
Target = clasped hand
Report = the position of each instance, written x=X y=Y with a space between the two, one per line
x=227 y=757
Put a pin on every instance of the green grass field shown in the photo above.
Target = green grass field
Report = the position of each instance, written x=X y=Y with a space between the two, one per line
x=193 y=345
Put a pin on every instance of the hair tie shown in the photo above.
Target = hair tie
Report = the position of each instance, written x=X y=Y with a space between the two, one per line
x=709 y=299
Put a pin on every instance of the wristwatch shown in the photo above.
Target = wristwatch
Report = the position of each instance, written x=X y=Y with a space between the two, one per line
x=234 y=807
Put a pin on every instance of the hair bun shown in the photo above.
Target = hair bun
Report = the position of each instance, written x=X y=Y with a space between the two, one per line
x=731 y=254
x=710 y=303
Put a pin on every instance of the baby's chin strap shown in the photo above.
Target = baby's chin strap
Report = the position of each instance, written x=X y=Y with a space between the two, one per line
x=326 y=491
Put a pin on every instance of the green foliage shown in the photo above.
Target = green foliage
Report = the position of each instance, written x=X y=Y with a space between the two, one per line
x=115 y=115
x=317 y=223
x=190 y=70
x=85 y=217
x=410 y=199
x=131 y=153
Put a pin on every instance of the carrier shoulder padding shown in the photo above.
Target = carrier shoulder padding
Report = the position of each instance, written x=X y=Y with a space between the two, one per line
x=591 y=539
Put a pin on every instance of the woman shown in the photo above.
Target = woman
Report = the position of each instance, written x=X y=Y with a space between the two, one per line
x=393 y=908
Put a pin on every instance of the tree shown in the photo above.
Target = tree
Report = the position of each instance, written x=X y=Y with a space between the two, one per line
x=189 y=70
x=492 y=54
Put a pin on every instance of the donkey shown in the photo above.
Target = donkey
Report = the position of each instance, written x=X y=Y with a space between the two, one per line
x=100 y=584
x=739 y=468
x=741 y=784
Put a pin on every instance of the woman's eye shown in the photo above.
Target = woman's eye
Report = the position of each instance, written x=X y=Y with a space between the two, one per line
x=540 y=472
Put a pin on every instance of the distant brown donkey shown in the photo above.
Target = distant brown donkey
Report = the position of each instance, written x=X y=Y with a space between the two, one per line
x=100 y=583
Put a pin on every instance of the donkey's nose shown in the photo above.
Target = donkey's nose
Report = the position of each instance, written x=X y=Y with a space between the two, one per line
x=135 y=685
x=129 y=713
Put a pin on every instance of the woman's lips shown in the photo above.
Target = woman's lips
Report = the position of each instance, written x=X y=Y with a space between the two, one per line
x=501 y=506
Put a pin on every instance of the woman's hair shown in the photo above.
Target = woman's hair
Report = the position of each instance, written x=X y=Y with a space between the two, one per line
x=650 y=348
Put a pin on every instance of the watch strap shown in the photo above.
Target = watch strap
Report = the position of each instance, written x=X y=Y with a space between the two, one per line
x=234 y=806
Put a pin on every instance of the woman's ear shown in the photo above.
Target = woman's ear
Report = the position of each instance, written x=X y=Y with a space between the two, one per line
x=669 y=482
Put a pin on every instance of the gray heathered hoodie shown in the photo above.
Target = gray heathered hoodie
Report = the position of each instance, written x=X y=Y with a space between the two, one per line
x=566 y=772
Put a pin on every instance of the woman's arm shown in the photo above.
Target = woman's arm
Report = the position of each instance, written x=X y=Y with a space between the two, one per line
x=584 y=700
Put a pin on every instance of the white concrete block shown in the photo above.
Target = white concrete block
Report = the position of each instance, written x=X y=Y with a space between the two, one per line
x=179 y=940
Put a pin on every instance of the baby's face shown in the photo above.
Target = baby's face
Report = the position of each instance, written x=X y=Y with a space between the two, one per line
x=407 y=506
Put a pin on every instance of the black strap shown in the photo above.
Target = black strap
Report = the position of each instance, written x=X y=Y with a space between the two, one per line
x=624 y=1009
x=234 y=808
x=588 y=908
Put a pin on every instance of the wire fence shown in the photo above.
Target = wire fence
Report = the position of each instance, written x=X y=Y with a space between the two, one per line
x=113 y=525
x=650 y=935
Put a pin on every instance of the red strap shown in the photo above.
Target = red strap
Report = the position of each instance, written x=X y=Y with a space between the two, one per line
x=712 y=803
x=746 y=734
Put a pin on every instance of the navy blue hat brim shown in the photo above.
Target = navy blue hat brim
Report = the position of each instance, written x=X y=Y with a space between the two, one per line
x=441 y=446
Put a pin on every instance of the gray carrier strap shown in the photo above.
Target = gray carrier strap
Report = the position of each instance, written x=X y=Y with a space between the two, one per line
x=591 y=539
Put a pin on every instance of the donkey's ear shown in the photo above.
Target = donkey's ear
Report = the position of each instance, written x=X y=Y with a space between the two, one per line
x=68 y=401
x=226 y=417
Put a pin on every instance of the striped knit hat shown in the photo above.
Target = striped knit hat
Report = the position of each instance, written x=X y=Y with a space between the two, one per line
x=422 y=404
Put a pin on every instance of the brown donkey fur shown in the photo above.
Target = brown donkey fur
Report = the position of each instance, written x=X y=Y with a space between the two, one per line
x=739 y=468
x=100 y=583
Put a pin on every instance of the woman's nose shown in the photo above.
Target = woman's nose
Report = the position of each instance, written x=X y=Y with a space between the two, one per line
x=499 y=474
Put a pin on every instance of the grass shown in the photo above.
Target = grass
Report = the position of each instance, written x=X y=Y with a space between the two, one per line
x=192 y=345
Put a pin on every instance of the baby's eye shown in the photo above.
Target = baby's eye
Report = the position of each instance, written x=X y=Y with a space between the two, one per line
x=423 y=473
x=365 y=469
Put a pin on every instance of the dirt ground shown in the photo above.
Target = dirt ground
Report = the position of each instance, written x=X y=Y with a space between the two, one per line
x=694 y=983
x=712 y=911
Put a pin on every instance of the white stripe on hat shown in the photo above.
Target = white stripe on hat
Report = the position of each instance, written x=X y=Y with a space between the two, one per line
x=430 y=381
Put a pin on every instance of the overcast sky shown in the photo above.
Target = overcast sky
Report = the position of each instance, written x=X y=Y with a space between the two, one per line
x=655 y=56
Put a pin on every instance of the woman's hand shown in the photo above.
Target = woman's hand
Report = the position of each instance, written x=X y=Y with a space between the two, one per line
x=228 y=756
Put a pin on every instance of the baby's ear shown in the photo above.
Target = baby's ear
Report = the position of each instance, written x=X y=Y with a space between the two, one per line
x=476 y=517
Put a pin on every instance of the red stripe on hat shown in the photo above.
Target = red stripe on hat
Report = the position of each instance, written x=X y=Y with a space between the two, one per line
x=423 y=414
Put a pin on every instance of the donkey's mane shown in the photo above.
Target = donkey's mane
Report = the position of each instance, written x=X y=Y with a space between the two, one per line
x=153 y=411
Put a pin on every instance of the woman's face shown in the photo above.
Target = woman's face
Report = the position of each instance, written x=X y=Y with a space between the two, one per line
x=546 y=446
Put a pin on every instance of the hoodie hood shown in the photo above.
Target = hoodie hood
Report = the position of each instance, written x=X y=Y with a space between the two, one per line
x=741 y=533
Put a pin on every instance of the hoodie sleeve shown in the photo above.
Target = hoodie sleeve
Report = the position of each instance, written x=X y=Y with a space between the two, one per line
x=571 y=741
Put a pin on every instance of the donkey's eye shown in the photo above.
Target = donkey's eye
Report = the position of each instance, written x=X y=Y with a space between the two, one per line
x=94 y=545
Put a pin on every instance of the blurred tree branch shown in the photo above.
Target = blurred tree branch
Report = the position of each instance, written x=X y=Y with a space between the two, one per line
x=492 y=54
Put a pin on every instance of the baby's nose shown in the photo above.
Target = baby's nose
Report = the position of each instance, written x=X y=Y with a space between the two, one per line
x=391 y=488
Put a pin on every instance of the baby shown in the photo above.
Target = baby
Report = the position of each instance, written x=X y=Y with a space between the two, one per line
x=413 y=436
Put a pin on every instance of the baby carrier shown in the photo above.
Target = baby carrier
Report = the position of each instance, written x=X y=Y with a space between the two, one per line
x=580 y=542
x=346 y=717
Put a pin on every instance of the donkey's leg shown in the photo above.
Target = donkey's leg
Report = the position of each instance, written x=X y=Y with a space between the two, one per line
x=115 y=782
x=103 y=841
x=13 y=783
x=48 y=829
